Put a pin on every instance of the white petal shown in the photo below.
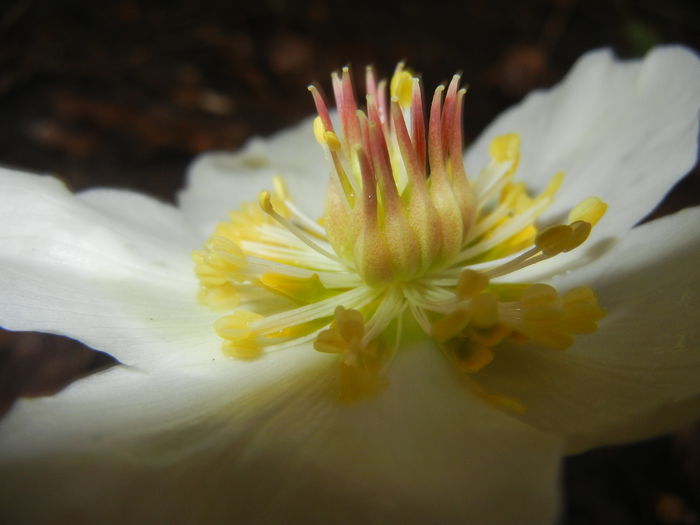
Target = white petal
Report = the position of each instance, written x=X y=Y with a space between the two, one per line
x=423 y=451
x=638 y=374
x=623 y=131
x=220 y=182
x=122 y=403
x=124 y=286
x=162 y=224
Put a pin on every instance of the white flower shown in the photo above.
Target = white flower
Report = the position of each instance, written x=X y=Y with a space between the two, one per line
x=182 y=434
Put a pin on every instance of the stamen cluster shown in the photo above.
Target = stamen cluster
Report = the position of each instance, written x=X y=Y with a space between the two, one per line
x=406 y=240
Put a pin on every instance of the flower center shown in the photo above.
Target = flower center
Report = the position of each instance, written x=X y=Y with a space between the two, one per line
x=406 y=240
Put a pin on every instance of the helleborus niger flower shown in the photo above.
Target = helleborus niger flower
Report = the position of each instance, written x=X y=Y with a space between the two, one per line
x=417 y=339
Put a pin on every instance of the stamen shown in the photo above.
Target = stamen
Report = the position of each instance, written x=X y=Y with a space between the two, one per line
x=309 y=225
x=351 y=299
x=402 y=88
x=389 y=308
x=240 y=340
x=471 y=283
x=550 y=242
x=505 y=155
x=266 y=205
x=361 y=363
x=554 y=239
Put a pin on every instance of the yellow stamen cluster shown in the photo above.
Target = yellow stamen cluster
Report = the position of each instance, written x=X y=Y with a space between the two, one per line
x=360 y=363
x=407 y=244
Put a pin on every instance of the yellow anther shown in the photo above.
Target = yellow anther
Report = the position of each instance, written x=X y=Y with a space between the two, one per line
x=552 y=321
x=475 y=359
x=209 y=276
x=239 y=339
x=331 y=140
x=554 y=239
x=484 y=311
x=236 y=325
x=402 y=88
x=221 y=243
x=215 y=265
x=218 y=298
x=553 y=185
x=538 y=294
x=280 y=188
x=470 y=283
x=515 y=195
x=344 y=334
x=580 y=231
x=361 y=375
x=242 y=348
x=589 y=210
x=351 y=324
x=229 y=254
x=505 y=148
x=301 y=289
x=280 y=197
x=579 y=294
x=330 y=342
x=452 y=324
x=319 y=130
x=360 y=363
x=265 y=201
x=581 y=311
x=490 y=337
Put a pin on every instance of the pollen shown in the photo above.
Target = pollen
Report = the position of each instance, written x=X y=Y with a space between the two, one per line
x=408 y=244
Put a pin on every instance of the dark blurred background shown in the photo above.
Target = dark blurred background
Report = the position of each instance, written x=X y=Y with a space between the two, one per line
x=125 y=93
